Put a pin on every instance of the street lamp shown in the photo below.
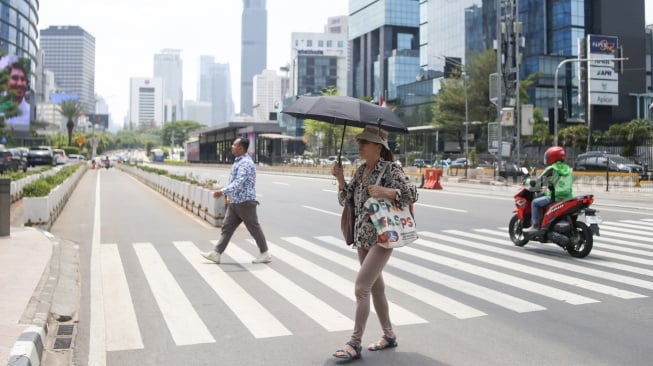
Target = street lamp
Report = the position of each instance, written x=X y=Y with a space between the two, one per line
x=466 y=123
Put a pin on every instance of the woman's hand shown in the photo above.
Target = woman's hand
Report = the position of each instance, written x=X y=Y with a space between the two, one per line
x=381 y=192
x=338 y=172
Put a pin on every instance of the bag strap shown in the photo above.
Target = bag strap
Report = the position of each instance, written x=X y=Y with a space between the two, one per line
x=385 y=168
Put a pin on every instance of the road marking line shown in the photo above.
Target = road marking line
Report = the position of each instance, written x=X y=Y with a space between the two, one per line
x=318 y=310
x=399 y=315
x=122 y=332
x=323 y=211
x=258 y=320
x=554 y=276
x=440 y=207
x=184 y=323
x=97 y=351
x=510 y=280
x=427 y=296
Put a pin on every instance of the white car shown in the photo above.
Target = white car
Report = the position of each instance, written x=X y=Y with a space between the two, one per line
x=332 y=160
x=59 y=157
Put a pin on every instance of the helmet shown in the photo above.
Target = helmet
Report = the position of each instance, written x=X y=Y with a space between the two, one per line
x=553 y=154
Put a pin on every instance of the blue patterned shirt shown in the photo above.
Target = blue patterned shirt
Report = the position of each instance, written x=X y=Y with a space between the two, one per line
x=242 y=180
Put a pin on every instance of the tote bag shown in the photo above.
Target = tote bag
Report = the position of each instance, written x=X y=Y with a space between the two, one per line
x=347 y=222
x=394 y=223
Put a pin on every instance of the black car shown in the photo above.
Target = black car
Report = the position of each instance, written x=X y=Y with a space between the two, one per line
x=12 y=160
x=600 y=161
x=40 y=155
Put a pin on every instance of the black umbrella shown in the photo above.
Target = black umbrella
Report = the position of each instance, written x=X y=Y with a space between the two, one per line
x=346 y=111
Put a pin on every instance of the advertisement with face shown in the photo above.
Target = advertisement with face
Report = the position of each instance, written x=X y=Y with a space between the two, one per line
x=14 y=91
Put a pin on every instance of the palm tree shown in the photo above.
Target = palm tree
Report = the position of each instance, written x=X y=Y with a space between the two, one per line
x=71 y=110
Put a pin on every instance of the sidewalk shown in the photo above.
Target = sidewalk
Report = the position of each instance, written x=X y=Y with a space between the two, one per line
x=33 y=276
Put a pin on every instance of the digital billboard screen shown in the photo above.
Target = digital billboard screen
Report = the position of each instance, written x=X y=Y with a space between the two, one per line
x=15 y=93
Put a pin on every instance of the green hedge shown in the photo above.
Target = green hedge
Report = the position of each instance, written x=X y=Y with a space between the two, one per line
x=42 y=187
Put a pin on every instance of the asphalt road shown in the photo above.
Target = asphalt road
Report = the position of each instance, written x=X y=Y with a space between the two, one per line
x=461 y=295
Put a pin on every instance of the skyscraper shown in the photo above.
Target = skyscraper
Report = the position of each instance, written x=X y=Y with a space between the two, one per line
x=253 y=50
x=169 y=67
x=215 y=88
x=384 y=36
x=69 y=52
x=145 y=102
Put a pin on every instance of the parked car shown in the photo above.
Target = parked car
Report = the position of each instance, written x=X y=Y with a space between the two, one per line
x=40 y=155
x=458 y=163
x=600 y=161
x=76 y=157
x=333 y=158
x=12 y=160
x=60 y=157
x=422 y=163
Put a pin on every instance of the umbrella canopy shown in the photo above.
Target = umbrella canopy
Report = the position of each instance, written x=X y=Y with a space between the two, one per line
x=348 y=111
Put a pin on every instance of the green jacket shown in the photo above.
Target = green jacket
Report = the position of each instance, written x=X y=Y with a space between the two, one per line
x=560 y=180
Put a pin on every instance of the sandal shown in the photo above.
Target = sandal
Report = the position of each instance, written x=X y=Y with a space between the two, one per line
x=344 y=354
x=389 y=342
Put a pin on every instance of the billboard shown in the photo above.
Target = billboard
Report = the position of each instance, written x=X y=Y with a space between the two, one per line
x=101 y=120
x=15 y=93
x=58 y=97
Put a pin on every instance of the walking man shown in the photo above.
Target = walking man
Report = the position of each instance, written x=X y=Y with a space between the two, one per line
x=241 y=192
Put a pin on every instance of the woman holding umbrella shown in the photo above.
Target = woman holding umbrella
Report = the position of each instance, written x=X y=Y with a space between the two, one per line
x=394 y=185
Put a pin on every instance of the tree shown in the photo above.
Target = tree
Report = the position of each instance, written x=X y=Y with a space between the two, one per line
x=180 y=130
x=71 y=110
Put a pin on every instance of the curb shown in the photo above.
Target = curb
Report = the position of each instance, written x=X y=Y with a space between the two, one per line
x=28 y=349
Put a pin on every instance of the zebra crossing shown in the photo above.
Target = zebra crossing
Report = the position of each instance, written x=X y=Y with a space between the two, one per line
x=450 y=273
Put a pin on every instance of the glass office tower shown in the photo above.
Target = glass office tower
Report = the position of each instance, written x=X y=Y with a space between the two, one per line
x=253 y=50
x=383 y=34
x=69 y=52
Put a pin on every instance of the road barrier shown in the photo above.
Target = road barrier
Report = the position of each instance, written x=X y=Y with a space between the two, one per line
x=432 y=178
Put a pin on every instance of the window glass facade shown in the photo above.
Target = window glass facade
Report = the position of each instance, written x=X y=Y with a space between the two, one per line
x=315 y=73
x=18 y=27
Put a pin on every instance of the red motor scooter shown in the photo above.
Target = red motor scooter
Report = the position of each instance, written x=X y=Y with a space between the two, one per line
x=559 y=224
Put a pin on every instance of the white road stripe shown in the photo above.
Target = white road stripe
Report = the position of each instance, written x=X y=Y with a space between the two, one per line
x=619 y=228
x=97 y=349
x=644 y=238
x=122 y=332
x=648 y=223
x=497 y=276
x=440 y=207
x=429 y=297
x=632 y=224
x=258 y=320
x=604 y=262
x=399 y=315
x=184 y=323
x=565 y=265
x=532 y=271
x=323 y=211
x=328 y=317
x=492 y=296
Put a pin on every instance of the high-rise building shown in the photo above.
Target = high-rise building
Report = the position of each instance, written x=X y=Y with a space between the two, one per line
x=449 y=29
x=215 y=88
x=69 y=52
x=169 y=67
x=384 y=36
x=18 y=40
x=145 y=102
x=319 y=60
x=552 y=31
x=253 y=50
x=268 y=93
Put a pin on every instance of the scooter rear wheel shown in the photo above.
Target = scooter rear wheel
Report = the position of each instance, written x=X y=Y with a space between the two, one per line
x=582 y=241
x=515 y=230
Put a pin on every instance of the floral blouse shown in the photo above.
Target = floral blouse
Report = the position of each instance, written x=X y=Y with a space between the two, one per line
x=356 y=192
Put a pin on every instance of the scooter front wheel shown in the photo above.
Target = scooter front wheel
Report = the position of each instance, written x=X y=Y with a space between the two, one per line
x=515 y=230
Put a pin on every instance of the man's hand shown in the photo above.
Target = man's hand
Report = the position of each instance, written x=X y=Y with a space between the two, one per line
x=217 y=194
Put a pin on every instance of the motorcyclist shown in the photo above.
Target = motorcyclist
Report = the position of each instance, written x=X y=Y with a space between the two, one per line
x=558 y=178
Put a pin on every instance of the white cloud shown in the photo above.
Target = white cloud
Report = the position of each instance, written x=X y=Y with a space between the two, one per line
x=128 y=33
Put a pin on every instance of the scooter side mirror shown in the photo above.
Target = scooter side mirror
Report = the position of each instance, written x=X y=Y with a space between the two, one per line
x=524 y=170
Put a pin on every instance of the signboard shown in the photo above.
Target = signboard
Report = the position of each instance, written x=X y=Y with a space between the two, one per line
x=507 y=117
x=604 y=86
x=604 y=99
x=602 y=79
x=101 y=120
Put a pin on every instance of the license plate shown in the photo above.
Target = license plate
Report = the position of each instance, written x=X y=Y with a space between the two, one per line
x=593 y=219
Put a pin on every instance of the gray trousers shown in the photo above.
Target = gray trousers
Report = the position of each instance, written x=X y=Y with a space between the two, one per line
x=237 y=213
x=370 y=280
